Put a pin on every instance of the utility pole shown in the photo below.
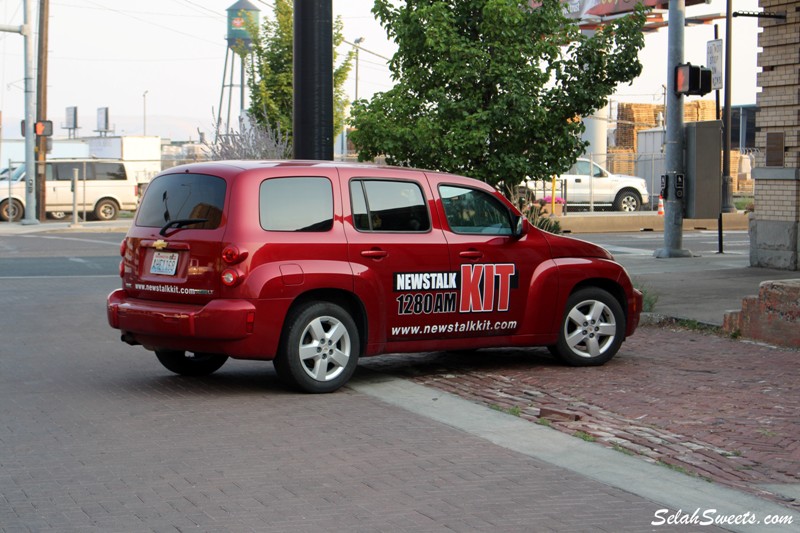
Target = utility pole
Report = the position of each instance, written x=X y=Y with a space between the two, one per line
x=674 y=165
x=30 y=118
x=313 y=80
x=727 y=180
x=41 y=105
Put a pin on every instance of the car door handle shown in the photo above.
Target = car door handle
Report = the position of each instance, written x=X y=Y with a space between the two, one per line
x=374 y=254
x=578 y=180
x=471 y=254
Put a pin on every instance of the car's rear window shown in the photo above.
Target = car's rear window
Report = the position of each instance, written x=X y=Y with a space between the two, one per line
x=296 y=204
x=182 y=196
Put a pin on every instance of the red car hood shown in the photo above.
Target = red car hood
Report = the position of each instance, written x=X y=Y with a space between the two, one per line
x=561 y=246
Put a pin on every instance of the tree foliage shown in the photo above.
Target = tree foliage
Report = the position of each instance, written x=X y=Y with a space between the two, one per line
x=270 y=70
x=493 y=89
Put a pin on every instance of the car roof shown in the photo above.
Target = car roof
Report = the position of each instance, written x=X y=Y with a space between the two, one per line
x=241 y=165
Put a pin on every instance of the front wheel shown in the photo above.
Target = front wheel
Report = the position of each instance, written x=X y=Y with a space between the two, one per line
x=319 y=348
x=193 y=364
x=591 y=329
x=628 y=201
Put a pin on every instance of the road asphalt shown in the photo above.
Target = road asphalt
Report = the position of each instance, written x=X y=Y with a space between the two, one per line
x=680 y=427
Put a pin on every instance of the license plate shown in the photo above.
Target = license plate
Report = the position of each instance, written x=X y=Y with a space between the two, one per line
x=164 y=263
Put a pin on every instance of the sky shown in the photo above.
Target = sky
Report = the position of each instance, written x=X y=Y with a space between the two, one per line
x=157 y=65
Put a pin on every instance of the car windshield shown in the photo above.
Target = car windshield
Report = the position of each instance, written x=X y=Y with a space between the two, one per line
x=18 y=174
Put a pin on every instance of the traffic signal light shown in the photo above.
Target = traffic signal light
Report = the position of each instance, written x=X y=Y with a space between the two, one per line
x=42 y=128
x=692 y=79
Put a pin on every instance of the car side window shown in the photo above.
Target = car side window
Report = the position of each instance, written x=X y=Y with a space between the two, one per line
x=64 y=170
x=597 y=172
x=472 y=211
x=387 y=205
x=296 y=204
x=109 y=171
x=580 y=168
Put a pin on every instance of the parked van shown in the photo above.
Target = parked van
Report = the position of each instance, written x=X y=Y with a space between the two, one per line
x=104 y=187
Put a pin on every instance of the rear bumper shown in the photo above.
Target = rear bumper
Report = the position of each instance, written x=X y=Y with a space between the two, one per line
x=221 y=320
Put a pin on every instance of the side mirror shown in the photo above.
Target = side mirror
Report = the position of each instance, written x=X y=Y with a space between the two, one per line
x=519 y=226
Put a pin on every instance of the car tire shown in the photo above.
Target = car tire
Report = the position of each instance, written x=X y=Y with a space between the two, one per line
x=196 y=364
x=628 y=201
x=319 y=348
x=11 y=212
x=106 y=210
x=591 y=330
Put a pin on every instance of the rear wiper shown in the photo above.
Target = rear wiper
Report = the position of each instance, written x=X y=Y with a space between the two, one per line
x=181 y=223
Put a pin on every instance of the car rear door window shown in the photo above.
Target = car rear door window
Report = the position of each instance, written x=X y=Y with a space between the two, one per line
x=296 y=204
x=180 y=197
x=385 y=205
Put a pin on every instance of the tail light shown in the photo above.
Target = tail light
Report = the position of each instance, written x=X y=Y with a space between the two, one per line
x=232 y=255
x=231 y=277
x=123 y=249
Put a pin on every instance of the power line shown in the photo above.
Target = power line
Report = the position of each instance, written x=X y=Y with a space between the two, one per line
x=129 y=11
x=124 y=14
x=202 y=7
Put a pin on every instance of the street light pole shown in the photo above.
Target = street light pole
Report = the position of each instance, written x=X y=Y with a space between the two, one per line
x=144 y=113
x=357 y=42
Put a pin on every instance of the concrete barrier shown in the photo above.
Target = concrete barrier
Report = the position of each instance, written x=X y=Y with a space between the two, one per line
x=599 y=222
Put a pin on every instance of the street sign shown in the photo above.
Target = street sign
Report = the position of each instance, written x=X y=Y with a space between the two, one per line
x=714 y=59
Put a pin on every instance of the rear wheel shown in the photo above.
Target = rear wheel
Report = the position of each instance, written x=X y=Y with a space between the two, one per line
x=106 y=210
x=192 y=364
x=11 y=211
x=592 y=328
x=319 y=349
x=627 y=200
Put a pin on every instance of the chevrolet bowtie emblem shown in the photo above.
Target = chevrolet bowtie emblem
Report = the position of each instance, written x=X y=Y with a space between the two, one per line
x=160 y=244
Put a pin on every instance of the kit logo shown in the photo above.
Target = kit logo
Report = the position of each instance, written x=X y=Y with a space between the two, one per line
x=485 y=288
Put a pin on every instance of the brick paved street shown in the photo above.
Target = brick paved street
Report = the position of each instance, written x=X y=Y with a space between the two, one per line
x=722 y=409
x=95 y=436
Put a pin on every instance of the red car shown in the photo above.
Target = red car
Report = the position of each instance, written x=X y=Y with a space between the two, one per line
x=315 y=264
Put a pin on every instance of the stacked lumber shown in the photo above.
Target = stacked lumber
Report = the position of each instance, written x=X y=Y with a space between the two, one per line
x=631 y=118
x=621 y=161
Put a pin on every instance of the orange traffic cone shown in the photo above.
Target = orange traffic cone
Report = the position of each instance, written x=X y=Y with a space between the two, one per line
x=660 y=206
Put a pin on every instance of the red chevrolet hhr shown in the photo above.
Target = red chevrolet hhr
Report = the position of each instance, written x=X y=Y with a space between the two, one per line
x=315 y=264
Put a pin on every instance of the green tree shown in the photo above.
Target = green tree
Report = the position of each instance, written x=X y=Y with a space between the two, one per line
x=492 y=89
x=269 y=70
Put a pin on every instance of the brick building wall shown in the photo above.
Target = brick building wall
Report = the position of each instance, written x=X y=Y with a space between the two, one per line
x=775 y=224
x=779 y=79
